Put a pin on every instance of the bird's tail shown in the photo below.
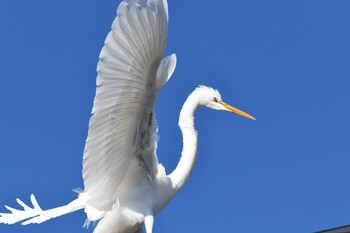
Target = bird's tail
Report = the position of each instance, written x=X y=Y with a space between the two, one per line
x=36 y=214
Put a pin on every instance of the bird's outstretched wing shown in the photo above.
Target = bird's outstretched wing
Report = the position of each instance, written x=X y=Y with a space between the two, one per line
x=122 y=129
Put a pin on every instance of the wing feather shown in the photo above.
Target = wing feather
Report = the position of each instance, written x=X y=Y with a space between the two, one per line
x=126 y=89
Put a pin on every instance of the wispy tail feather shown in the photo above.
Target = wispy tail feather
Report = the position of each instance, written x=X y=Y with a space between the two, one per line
x=36 y=214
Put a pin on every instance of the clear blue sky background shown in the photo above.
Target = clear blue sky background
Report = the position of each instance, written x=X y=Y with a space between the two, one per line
x=287 y=62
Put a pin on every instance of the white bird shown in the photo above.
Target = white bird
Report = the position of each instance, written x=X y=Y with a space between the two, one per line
x=124 y=185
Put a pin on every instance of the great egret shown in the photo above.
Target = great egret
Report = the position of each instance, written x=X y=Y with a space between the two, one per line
x=125 y=186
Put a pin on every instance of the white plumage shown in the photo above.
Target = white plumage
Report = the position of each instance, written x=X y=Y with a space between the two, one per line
x=124 y=185
x=130 y=74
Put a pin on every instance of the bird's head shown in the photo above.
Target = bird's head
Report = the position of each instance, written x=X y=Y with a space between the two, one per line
x=211 y=98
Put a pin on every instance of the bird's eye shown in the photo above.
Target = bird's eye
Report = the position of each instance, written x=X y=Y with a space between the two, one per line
x=215 y=99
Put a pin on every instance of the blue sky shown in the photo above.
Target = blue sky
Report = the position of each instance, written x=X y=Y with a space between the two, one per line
x=286 y=62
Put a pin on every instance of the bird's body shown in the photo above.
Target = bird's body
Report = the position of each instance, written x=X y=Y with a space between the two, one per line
x=124 y=184
x=129 y=212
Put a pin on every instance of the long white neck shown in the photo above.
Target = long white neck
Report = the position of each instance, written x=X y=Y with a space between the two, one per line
x=189 y=151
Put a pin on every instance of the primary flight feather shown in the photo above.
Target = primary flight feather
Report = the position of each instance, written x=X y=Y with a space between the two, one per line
x=124 y=185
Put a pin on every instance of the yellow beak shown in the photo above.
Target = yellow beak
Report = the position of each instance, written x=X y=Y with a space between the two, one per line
x=237 y=111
